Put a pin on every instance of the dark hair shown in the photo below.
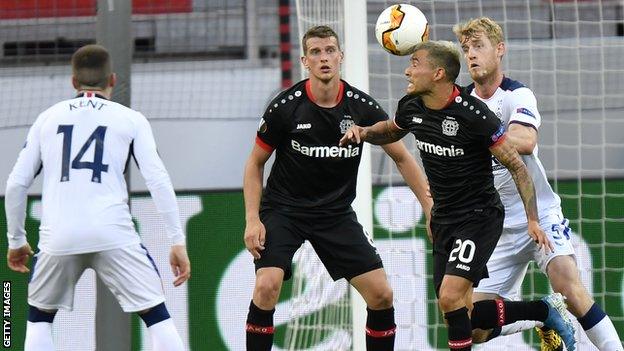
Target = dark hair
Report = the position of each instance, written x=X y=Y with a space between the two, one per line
x=318 y=32
x=442 y=54
x=91 y=66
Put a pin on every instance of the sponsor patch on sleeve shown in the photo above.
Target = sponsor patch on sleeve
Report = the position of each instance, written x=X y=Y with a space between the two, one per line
x=498 y=133
x=525 y=111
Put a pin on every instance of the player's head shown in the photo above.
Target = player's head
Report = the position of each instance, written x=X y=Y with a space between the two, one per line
x=483 y=45
x=321 y=53
x=92 y=68
x=433 y=62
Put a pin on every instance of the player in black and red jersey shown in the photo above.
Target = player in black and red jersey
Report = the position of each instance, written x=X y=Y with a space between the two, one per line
x=310 y=189
x=457 y=136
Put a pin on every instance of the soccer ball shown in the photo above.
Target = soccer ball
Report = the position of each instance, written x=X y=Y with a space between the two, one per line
x=400 y=27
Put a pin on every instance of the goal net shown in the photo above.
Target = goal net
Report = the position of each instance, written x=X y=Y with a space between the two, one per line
x=569 y=53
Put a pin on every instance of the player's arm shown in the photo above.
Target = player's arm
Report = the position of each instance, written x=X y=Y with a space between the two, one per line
x=524 y=120
x=380 y=133
x=24 y=172
x=506 y=153
x=252 y=193
x=159 y=185
x=524 y=138
x=413 y=175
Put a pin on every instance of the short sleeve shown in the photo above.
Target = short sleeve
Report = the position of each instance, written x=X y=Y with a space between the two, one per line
x=270 y=129
x=372 y=112
x=487 y=127
x=404 y=110
x=523 y=108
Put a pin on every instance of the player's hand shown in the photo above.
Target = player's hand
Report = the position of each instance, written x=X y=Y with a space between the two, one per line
x=428 y=227
x=17 y=258
x=180 y=264
x=255 y=235
x=540 y=238
x=354 y=135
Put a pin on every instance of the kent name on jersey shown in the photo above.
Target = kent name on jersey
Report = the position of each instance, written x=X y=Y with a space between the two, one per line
x=513 y=102
x=83 y=146
x=311 y=171
x=454 y=147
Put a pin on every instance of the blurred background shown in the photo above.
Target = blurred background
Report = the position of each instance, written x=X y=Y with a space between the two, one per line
x=202 y=71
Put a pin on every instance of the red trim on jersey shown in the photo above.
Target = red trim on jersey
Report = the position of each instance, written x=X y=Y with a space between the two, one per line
x=340 y=92
x=459 y=344
x=500 y=312
x=88 y=94
x=454 y=94
x=308 y=87
x=380 y=333
x=266 y=147
x=502 y=137
x=257 y=329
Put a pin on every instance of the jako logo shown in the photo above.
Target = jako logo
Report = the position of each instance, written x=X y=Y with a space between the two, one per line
x=439 y=150
x=304 y=125
x=325 y=151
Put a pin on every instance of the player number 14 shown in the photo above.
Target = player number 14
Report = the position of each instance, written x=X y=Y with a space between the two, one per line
x=96 y=166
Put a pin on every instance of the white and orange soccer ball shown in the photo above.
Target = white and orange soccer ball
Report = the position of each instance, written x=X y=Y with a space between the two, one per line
x=400 y=27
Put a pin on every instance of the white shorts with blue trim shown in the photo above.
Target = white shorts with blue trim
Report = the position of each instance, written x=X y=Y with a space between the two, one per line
x=515 y=250
x=128 y=272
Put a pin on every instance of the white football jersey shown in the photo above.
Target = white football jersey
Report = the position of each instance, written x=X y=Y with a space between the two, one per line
x=515 y=103
x=83 y=146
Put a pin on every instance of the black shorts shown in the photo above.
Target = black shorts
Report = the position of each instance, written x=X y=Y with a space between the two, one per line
x=463 y=248
x=339 y=240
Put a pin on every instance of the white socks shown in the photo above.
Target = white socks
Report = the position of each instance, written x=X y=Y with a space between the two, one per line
x=165 y=336
x=604 y=336
x=38 y=337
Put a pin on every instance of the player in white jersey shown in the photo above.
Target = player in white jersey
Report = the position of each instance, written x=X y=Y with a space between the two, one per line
x=482 y=42
x=83 y=146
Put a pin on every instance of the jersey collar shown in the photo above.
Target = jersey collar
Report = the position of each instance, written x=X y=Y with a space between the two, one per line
x=90 y=94
x=308 y=88
x=454 y=94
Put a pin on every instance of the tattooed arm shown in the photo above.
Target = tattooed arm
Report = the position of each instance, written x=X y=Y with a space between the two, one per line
x=506 y=153
x=380 y=133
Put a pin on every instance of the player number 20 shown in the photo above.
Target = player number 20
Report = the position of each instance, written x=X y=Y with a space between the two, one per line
x=464 y=250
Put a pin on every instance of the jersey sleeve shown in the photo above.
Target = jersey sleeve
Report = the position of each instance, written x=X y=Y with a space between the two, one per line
x=404 y=110
x=271 y=128
x=487 y=127
x=28 y=162
x=523 y=108
x=372 y=112
x=157 y=179
x=24 y=172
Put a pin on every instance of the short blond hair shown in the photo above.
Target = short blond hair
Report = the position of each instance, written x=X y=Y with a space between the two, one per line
x=475 y=26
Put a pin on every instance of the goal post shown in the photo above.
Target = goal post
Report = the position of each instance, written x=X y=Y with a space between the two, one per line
x=355 y=68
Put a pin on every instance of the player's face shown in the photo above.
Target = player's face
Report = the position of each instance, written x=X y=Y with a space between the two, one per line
x=323 y=58
x=419 y=73
x=483 y=58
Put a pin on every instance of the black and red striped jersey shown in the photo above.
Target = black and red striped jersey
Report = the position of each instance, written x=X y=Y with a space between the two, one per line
x=454 y=147
x=311 y=173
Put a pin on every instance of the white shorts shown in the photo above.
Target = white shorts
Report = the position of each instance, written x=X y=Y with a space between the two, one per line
x=515 y=250
x=129 y=272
